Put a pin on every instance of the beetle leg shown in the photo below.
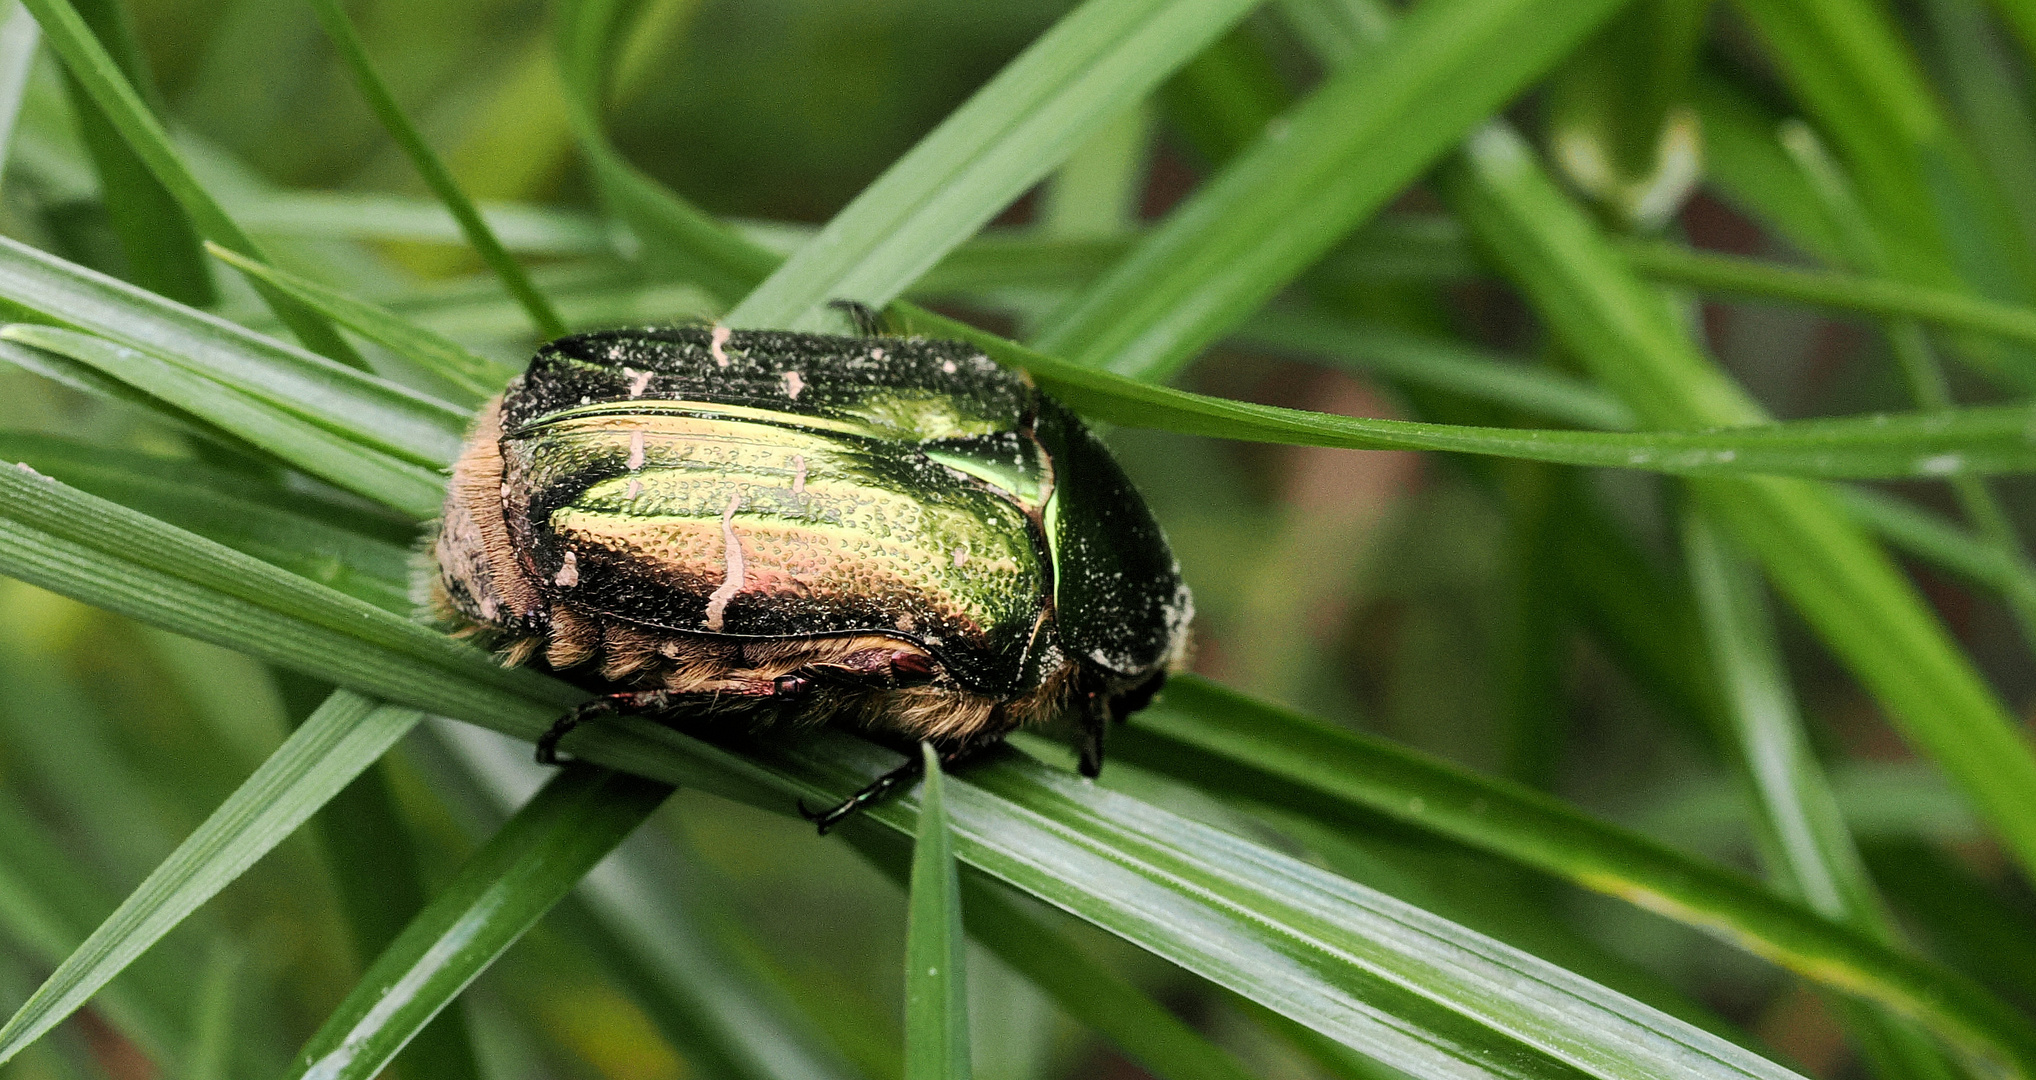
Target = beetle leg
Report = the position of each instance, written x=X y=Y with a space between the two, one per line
x=605 y=705
x=913 y=768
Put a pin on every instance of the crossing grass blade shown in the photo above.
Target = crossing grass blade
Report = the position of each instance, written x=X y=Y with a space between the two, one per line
x=1848 y=589
x=936 y=954
x=1094 y=63
x=346 y=735
x=1223 y=741
x=524 y=869
x=155 y=234
x=436 y=353
x=88 y=62
x=412 y=489
x=440 y=179
x=40 y=287
x=1321 y=168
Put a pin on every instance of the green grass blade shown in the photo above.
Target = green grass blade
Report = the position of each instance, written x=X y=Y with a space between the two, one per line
x=1321 y=168
x=20 y=40
x=88 y=62
x=345 y=736
x=115 y=558
x=210 y=1056
x=936 y=953
x=1809 y=850
x=154 y=232
x=1223 y=741
x=1848 y=589
x=1938 y=541
x=412 y=489
x=1988 y=438
x=1084 y=988
x=673 y=232
x=380 y=413
x=1094 y=63
x=440 y=179
x=526 y=228
x=440 y=355
x=528 y=866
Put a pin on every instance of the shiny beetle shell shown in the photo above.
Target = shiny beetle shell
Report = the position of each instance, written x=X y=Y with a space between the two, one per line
x=891 y=533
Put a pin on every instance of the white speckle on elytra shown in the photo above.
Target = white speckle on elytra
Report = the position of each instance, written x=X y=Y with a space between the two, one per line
x=876 y=354
x=585 y=400
x=798 y=474
x=505 y=491
x=961 y=555
x=636 y=449
x=638 y=381
x=568 y=571
x=947 y=366
x=731 y=556
x=794 y=382
x=714 y=343
x=906 y=624
x=1941 y=465
x=635 y=488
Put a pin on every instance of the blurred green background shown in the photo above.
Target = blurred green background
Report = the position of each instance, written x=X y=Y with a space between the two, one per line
x=1403 y=595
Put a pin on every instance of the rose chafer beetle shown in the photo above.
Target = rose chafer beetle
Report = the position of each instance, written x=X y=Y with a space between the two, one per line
x=894 y=535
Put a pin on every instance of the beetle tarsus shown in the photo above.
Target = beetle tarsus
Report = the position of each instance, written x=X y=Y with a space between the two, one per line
x=871 y=792
x=605 y=705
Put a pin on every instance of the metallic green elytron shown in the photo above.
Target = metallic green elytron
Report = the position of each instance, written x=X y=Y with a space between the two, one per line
x=891 y=534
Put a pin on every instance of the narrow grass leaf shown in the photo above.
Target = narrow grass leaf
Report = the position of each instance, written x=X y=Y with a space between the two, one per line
x=436 y=353
x=936 y=953
x=19 y=41
x=210 y=1056
x=376 y=412
x=1845 y=585
x=526 y=228
x=1808 y=849
x=112 y=557
x=1939 y=541
x=524 y=869
x=1223 y=741
x=1082 y=986
x=88 y=62
x=412 y=489
x=1317 y=171
x=346 y=735
x=154 y=232
x=1920 y=444
x=440 y=179
x=1094 y=64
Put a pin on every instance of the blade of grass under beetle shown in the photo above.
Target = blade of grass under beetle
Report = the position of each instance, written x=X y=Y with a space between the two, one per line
x=374 y=411
x=1223 y=741
x=936 y=954
x=343 y=737
x=1084 y=988
x=440 y=179
x=1326 y=164
x=112 y=557
x=1093 y=64
x=86 y=379
x=412 y=489
x=525 y=868
x=154 y=232
x=210 y=1055
x=1842 y=582
x=441 y=355
x=1333 y=955
x=190 y=581
x=19 y=38
x=1806 y=846
x=87 y=61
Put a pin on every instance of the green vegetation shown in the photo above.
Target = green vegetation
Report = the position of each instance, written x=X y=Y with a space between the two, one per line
x=1665 y=717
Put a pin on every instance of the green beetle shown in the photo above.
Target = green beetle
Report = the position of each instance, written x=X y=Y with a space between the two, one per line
x=891 y=534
